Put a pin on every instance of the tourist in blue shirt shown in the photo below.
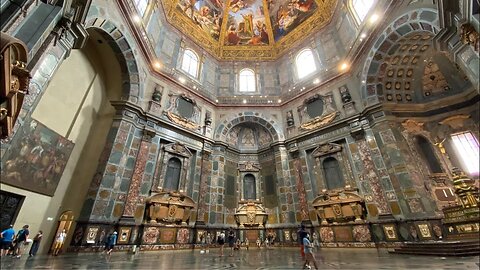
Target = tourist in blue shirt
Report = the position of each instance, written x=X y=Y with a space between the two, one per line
x=7 y=238
x=112 y=240
x=308 y=252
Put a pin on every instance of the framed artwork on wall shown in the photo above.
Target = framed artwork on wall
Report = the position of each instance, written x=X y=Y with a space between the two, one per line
x=425 y=232
x=92 y=235
x=390 y=232
x=36 y=159
x=124 y=235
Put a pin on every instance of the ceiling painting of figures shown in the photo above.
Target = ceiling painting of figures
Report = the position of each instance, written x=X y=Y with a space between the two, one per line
x=246 y=23
x=286 y=15
x=248 y=29
x=206 y=14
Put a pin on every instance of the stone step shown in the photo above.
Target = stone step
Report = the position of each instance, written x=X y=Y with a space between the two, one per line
x=440 y=248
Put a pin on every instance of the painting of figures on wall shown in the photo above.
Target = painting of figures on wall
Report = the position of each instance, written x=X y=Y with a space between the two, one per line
x=206 y=14
x=246 y=23
x=36 y=159
x=285 y=15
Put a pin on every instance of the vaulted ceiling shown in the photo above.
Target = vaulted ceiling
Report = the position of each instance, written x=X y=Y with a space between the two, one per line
x=248 y=29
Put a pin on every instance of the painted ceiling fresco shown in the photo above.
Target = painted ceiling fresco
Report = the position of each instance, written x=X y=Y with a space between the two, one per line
x=248 y=29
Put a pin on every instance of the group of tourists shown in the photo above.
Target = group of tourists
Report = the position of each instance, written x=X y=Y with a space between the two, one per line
x=14 y=244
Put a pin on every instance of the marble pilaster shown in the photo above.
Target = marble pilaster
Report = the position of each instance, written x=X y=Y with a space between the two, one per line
x=132 y=198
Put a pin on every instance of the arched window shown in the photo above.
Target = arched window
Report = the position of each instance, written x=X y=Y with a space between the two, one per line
x=141 y=6
x=172 y=176
x=249 y=189
x=333 y=174
x=428 y=154
x=467 y=148
x=305 y=63
x=190 y=63
x=246 y=80
x=360 y=8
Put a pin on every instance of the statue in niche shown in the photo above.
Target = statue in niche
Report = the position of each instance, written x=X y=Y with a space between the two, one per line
x=208 y=118
x=157 y=95
x=345 y=94
x=290 y=121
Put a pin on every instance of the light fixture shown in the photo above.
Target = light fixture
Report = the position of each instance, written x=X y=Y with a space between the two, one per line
x=216 y=100
x=136 y=18
x=182 y=79
x=157 y=65
x=244 y=101
x=316 y=81
x=279 y=100
x=374 y=18
x=363 y=35
x=363 y=81
x=344 y=66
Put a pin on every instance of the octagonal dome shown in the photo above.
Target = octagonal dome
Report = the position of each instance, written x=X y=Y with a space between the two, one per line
x=248 y=29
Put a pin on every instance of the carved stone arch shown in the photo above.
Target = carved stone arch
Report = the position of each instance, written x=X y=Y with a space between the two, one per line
x=422 y=20
x=246 y=117
x=131 y=87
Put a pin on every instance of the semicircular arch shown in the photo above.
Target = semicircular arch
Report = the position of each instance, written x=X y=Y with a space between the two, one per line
x=124 y=55
x=269 y=124
x=420 y=20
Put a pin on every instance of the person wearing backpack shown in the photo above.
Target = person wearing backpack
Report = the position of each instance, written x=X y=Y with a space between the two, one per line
x=21 y=240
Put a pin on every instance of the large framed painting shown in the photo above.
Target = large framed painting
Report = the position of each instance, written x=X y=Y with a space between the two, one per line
x=36 y=159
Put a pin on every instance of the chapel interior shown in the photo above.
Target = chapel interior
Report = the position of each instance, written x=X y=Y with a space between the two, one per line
x=169 y=120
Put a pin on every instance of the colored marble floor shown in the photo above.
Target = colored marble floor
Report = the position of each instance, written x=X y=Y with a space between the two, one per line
x=277 y=258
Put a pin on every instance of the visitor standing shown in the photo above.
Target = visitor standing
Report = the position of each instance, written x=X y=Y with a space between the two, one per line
x=302 y=233
x=7 y=239
x=221 y=242
x=247 y=244
x=21 y=240
x=35 y=244
x=208 y=240
x=111 y=242
x=59 y=242
x=231 y=240
x=259 y=243
x=308 y=249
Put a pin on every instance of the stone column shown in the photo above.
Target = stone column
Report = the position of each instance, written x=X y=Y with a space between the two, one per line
x=130 y=208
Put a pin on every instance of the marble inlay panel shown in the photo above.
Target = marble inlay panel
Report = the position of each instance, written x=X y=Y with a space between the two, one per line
x=137 y=177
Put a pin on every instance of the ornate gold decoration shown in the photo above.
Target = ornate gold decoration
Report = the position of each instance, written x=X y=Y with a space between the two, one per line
x=321 y=17
x=465 y=189
x=177 y=119
x=250 y=213
x=169 y=207
x=15 y=80
x=319 y=121
x=413 y=126
x=470 y=36
x=339 y=206
x=456 y=121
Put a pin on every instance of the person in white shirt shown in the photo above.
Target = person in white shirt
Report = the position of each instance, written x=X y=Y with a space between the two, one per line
x=59 y=242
